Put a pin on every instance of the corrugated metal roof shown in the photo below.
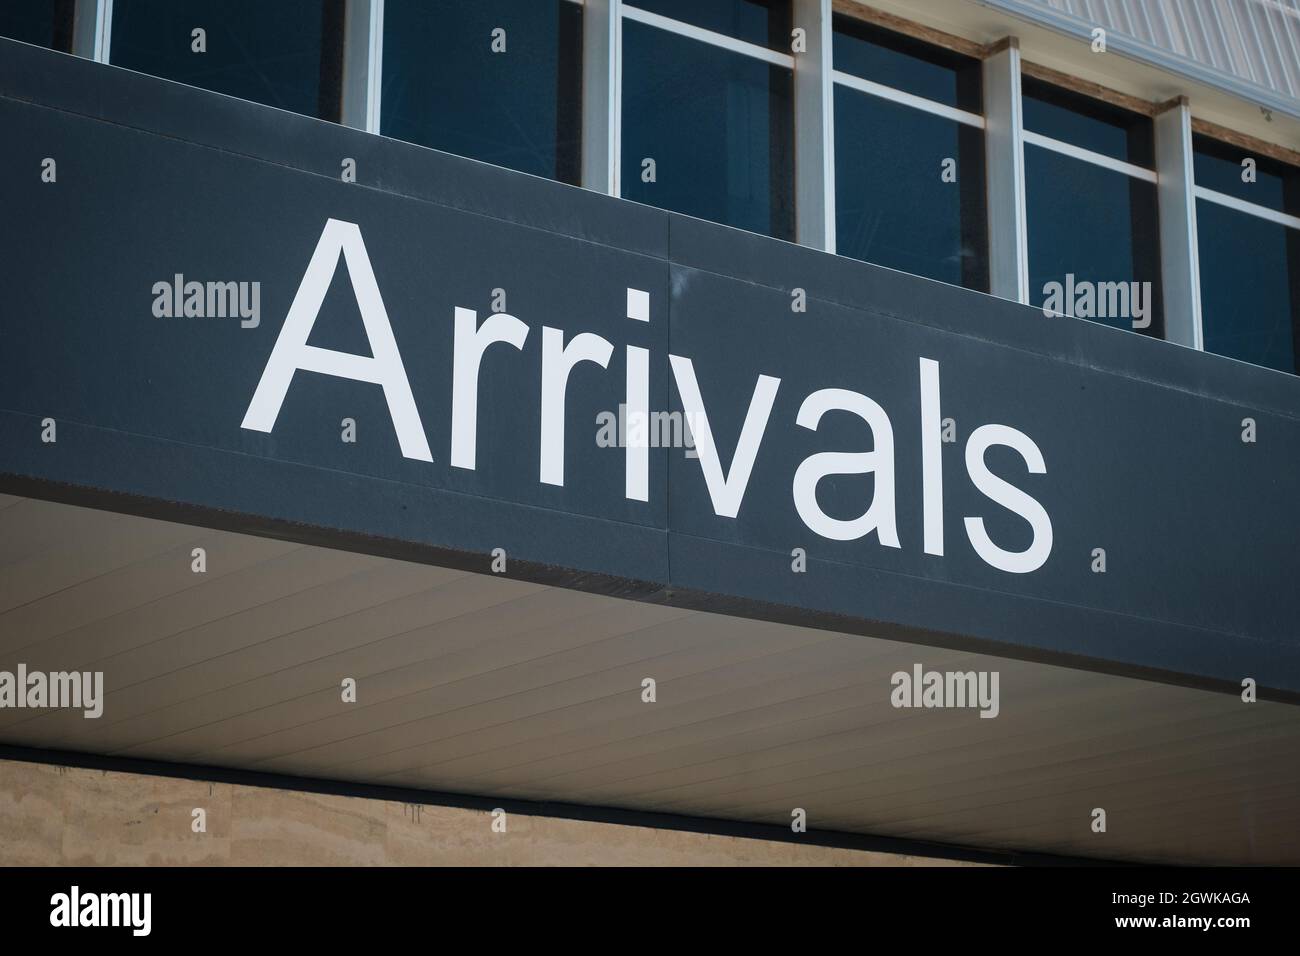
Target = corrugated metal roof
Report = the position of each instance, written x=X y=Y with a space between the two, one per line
x=1248 y=47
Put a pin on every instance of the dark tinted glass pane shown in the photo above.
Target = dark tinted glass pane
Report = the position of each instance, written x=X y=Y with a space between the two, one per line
x=445 y=87
x=1083 y=121
x=764 y=22
x=1096 y=226
x=716 y=124
x=286 y=54
x=1218 y=167
x=907 y=64
x=1250 y=286
x=892 y=206
x=46 y=23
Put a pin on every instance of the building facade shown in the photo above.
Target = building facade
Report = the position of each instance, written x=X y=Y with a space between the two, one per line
x=864 y=428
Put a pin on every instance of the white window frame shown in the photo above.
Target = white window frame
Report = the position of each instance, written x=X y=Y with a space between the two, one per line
x=815 y=79
x=1250 y=208
x=1089 y=156
x=821 y=235
x=1238 y=205
x=881 y=91
x=1103 y=161
x=1180 y=259
x=923 y=104
x=363 y=63
x=692 y=32
x=92 y=24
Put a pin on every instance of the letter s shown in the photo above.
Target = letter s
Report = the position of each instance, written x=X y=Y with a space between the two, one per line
x=1009 y=497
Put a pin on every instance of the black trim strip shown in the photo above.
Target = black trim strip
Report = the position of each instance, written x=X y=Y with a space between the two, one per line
x=533 y=808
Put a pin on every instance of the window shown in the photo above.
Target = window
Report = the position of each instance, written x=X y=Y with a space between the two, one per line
x=287 y=54
x=46 y=23
x=1248 y=238
x=705 y=127
x=1090 y=203
x=495 y=80
x=909 y=156
x=707 y=124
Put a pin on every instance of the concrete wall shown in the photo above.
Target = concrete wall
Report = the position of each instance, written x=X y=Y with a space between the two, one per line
x=51 y=815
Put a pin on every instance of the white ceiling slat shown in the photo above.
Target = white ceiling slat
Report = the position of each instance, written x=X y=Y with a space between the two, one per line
x=132 y=587
x=453 y=624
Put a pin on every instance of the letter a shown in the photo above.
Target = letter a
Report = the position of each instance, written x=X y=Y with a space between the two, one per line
x=292 y=352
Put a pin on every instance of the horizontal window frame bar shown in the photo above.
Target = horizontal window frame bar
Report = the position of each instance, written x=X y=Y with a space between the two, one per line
x=1089 y=156
x=1247 y=207
x=879 y=90
x=692 y=32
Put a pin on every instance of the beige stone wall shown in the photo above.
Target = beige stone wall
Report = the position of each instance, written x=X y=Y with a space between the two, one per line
x=68 y=816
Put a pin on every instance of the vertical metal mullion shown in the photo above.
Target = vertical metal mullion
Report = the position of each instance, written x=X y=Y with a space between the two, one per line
x=1005 y=164
x=92 y=22
x=104 y=42
x=1180 y=268
x=363 y=28
x=814 y=124
x=602 y=47
x=374 y=96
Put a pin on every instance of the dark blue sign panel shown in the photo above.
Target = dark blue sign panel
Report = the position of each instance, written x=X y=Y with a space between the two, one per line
x=219 y=312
